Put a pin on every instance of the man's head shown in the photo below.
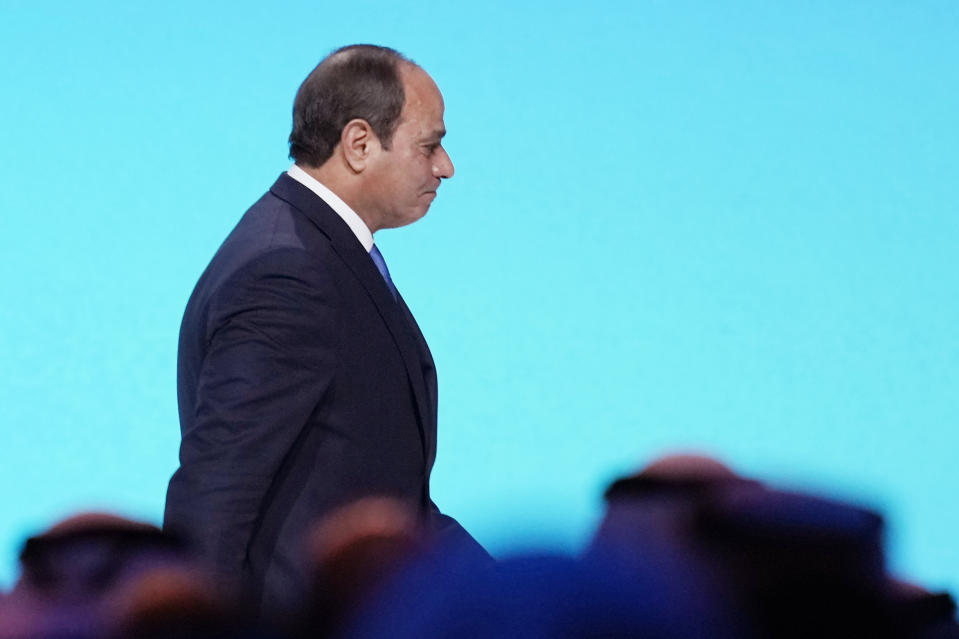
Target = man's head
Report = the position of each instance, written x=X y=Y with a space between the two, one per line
x=368 y=123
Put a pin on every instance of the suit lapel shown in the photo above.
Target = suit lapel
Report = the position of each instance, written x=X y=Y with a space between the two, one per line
x=429 y=379
x=352 y=253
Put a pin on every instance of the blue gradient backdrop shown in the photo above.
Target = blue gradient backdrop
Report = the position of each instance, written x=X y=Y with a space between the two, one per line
x=726 y=226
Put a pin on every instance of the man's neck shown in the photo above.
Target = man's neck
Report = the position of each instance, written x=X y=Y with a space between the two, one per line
x=345 y=187
x=339 y=205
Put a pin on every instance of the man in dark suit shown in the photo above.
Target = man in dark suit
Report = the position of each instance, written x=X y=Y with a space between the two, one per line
x=303 y=380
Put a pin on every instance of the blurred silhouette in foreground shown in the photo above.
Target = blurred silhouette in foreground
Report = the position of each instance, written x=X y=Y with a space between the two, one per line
x=353 y=552
x=790 y=564
x=686 y=549
x=98 y=575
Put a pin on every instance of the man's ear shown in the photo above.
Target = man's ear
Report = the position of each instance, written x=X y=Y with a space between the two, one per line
x=358 y=143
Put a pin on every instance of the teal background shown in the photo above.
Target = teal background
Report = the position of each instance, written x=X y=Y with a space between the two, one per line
x=721 y=226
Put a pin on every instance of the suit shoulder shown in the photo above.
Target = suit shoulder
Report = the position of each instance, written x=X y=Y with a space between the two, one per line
x=272 y=247
x=271 y=235
x=273 y=223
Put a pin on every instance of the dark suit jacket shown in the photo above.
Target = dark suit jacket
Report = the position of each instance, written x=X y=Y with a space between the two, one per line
x=302 y=385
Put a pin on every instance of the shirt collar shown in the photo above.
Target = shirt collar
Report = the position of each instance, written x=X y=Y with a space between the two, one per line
x=356 y=224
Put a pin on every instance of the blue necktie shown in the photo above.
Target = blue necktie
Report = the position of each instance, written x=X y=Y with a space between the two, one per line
x=381 y=267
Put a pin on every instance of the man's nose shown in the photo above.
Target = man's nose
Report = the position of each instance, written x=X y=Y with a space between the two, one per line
x=443 y=167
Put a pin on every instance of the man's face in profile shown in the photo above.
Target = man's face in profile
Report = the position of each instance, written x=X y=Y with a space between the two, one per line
x=405 y=177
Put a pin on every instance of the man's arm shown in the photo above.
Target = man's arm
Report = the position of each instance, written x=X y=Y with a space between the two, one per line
x=268 y=365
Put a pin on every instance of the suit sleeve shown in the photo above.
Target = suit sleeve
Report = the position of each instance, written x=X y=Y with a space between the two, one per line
x=269 y=363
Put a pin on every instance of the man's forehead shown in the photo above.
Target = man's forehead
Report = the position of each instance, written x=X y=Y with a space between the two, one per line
x=410 y=72
x=418 y=85
x=423 y=108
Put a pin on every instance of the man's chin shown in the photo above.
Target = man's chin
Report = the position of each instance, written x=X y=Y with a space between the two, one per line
x=407 y=218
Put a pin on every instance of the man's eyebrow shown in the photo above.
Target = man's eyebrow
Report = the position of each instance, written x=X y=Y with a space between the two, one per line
x=438 y=134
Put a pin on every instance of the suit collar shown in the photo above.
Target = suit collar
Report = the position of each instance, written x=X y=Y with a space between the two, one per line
x=315 y=209
x=335 y=202
x=429 y=377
